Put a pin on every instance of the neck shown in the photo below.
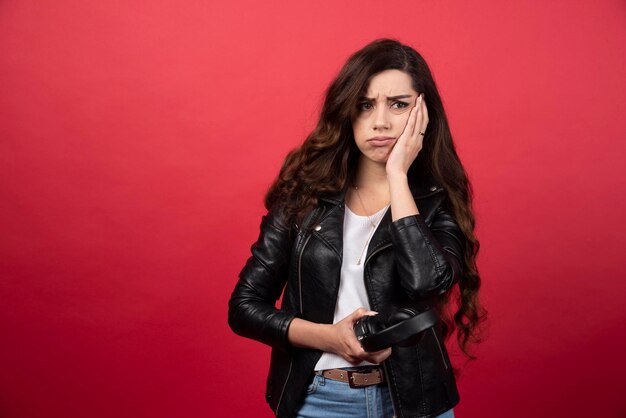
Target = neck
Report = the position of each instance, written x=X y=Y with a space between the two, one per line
x=371 y=175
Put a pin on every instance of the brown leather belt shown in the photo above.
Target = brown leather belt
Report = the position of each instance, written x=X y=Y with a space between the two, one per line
x=356 y=378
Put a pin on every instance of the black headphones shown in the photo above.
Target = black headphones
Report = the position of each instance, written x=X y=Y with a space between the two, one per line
x=403 y=326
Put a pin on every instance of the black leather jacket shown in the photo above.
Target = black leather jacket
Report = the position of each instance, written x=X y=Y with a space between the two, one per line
x=409 y=262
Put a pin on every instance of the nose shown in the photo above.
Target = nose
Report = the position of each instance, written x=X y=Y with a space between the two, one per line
x=381 y=118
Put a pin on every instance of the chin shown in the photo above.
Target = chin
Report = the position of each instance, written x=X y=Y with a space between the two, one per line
x=377 y=155
x=378 y=158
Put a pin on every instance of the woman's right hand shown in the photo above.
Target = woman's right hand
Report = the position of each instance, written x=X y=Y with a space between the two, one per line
x=347 y=346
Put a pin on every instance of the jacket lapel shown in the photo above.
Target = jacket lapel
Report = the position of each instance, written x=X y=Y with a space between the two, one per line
x=331 y=223
x=381 y=236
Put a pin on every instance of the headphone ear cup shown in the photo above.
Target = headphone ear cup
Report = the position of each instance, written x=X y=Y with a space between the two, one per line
x=373 y=324
x=368 y=325
x=362 y=327
x=403 y=327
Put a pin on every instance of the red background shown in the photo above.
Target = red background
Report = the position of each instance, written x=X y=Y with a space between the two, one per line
x=137 y=140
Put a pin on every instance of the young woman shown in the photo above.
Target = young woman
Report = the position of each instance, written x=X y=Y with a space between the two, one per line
x=372 y=212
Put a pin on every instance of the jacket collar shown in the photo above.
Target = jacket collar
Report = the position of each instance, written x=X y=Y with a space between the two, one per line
x=423 y=187
x=332 y=223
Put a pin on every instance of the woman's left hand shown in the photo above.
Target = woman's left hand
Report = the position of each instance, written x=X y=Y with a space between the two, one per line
x=409 y=143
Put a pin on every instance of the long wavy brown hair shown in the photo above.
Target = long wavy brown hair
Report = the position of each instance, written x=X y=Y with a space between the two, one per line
x=328 y=157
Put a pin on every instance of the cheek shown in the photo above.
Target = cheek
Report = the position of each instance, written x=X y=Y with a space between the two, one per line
x=402 y=119
x=360 y=121
x=359 y=127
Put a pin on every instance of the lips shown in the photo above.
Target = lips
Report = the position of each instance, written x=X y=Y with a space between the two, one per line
x=381 y=141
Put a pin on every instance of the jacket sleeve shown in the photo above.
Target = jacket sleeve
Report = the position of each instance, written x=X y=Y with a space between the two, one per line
x=251 y=308
x=429 y=259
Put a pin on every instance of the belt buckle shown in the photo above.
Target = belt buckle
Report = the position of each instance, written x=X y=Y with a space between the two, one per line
x=351 y=380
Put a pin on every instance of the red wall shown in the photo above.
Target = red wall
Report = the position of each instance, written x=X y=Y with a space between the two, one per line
x=137 y=140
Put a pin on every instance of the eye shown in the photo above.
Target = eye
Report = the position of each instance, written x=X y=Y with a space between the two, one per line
x=400 y=105
x=364 y=106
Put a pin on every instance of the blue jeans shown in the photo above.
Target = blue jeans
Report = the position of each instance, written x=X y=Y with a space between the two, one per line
x=332 y=399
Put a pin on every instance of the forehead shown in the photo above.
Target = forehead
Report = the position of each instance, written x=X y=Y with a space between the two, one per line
x=389 y=83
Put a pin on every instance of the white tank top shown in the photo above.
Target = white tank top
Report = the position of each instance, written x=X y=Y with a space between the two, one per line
x=352 y=294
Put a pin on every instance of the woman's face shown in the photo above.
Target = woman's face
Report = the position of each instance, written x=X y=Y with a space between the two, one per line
x=382 y=114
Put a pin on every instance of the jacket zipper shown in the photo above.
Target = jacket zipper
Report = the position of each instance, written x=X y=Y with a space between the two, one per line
x=282 y=392
x=385 y=368
x=377 y=250
x=300 y=271
x=440 y=350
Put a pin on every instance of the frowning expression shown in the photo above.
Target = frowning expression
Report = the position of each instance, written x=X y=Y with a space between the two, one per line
x=382 y=113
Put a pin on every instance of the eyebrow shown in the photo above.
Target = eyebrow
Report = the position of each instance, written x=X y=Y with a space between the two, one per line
x=402 y=96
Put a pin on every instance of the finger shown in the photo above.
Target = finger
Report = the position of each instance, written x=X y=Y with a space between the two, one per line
x=410 y=123
x=416 y=118
x=378 y=357
x=424 y=118
x=377 y=354
x=424 y=111
x=351 y=359
x=382 y=352
x=357 y=352
x=357 y=314
x=419 y=118
x=362 y=312
x=382 y=355
x=355 y=361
